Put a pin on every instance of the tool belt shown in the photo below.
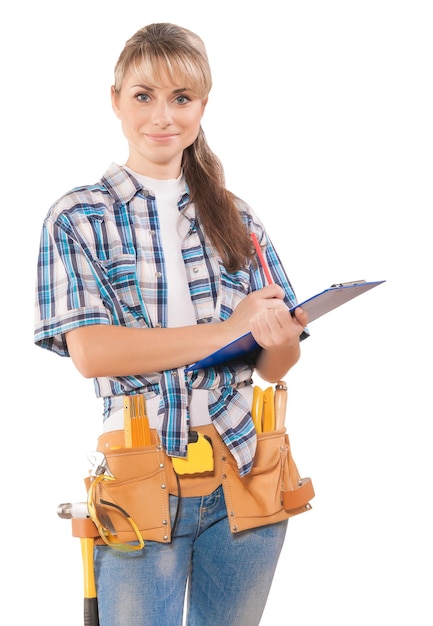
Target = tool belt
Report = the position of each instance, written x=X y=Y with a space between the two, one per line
x=145 y=479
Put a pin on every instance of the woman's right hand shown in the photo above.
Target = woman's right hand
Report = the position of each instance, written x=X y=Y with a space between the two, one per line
x=254 y=305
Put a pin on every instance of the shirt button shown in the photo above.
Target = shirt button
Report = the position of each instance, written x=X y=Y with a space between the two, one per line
x=195 y=270
x=158 y=274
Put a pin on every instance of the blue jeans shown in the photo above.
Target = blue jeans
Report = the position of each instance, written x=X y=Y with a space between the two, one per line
x=229 y=575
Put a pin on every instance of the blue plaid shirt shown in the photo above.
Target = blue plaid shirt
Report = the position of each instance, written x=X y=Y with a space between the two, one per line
x=101 y=262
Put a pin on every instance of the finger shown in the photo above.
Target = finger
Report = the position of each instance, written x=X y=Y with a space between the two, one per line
x=282 y=315
x=272 y=291
x=270 y=325
x=301 y=316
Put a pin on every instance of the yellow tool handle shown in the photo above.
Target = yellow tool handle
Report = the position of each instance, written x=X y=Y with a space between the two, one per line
x=257 y=408
x=268 y=420
x=280 y=403
x=91 y=616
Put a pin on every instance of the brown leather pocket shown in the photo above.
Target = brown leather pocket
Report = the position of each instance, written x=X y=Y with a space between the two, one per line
x=141 y=487
x=266 y=494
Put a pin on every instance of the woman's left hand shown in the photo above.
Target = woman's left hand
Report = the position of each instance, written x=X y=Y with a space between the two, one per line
x=277 y=331
x=277 y=327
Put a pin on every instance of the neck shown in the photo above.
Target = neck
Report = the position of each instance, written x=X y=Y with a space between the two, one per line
x=157 y=171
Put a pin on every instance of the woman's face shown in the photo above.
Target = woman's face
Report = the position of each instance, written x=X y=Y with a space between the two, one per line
x=158 y=122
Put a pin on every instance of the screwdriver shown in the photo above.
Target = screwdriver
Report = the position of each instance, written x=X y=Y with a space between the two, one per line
x=268 y=422
x=257 y=408
x=280 y=400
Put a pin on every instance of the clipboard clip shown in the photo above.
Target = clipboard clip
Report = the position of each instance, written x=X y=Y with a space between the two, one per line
x=352 y=283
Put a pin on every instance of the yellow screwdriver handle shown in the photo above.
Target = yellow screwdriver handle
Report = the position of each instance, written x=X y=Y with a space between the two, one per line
x=268 y=420
x=257 y=408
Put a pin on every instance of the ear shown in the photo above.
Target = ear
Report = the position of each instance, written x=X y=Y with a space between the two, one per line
x=115 y=101
x=204 y=103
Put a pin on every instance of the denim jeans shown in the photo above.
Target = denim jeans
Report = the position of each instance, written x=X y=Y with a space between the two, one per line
x=228 y=575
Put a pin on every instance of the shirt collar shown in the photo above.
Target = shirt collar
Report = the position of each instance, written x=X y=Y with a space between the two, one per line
x=123 y=186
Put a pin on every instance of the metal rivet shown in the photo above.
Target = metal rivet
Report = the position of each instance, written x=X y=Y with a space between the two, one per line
x=223 y=458
x=161 y=465
x=163 y=486
x=224 y=476
x=165 y=537
x=159 y=447
x=235 y=529
x=232 y=513
x=164 y=522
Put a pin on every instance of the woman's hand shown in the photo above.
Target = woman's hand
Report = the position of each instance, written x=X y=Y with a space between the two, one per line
x=265 y=314
x=276 y=330
x=276 y=327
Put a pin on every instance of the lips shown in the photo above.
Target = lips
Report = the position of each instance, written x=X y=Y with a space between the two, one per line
x=161 y=138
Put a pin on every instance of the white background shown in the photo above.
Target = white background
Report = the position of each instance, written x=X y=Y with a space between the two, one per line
x=321 y=112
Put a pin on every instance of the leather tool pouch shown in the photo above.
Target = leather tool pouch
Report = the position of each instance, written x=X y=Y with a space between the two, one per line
x=272 y=491
x=143 y=479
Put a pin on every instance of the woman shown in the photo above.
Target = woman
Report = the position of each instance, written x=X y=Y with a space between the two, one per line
x=141 y=275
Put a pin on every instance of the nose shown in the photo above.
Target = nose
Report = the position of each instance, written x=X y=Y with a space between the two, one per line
x=161 y=115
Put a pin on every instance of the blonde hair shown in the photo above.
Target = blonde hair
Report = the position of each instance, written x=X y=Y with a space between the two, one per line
x=160 y=51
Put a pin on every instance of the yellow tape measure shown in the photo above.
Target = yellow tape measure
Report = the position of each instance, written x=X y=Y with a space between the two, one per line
x=200 y=455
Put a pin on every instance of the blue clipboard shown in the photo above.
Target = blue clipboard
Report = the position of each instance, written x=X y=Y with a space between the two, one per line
x=315 y=307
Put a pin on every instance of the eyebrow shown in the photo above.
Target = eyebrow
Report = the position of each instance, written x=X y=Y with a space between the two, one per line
x=147 y=88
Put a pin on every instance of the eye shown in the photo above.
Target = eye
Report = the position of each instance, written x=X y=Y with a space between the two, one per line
x=182 y=99
x=142 y=97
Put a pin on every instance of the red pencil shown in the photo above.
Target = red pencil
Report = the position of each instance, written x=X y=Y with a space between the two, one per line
x=262 y=258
